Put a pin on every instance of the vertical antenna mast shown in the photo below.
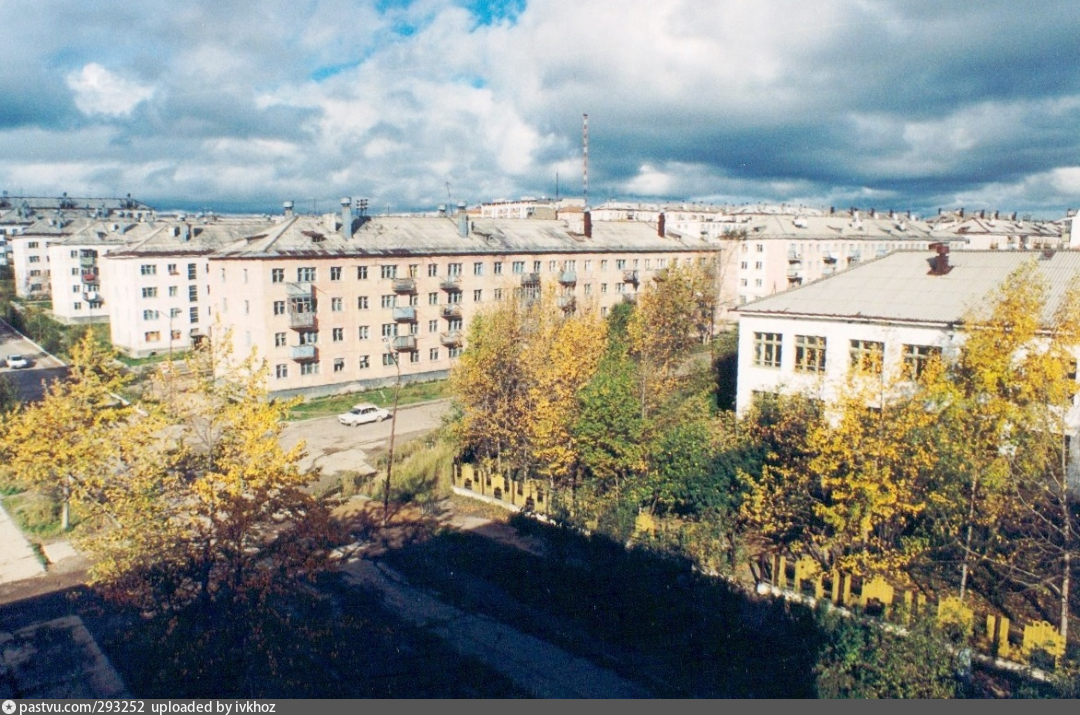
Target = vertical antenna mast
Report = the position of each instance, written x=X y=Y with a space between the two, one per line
x=585 y=157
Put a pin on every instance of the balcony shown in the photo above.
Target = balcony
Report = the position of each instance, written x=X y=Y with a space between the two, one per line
x=794 y=273
x=303 y=321
x=631 y=276
x=300 y=290
x=829 y=259
x=85 y=261
x=855 y=257
x=568 y=302
x=91 y=296
x=451 y=338
x=405 y=343
x=451 y=284
x=530 y=279
x=406 y=314
x=794 y=257
x=303 y=353
x=90 y=278
x=451 y=311
x=629 y=297
x=568 y=278
x=660 y=275
x=404 y=285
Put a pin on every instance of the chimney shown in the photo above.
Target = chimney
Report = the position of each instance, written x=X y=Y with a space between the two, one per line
x=1014 y=216
x=442 y=210
x=961 y=212
x=832 y=210
x=660 y=225
x=288 y=209
x=186 y=233
x=346 y=217
x=462 y=220
x=940 y=263
x=588 y=224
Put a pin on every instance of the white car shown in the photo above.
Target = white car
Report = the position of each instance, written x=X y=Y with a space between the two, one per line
x=17 y=362
x=364 y=412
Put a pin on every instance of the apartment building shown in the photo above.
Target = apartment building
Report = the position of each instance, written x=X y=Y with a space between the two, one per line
x=343 y=304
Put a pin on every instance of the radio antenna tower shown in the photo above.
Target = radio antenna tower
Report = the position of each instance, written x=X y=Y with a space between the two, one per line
x=585 y=157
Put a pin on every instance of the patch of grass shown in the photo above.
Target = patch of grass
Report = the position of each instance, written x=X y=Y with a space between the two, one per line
x=151 y=360
x=411 y=393
x=36 y=515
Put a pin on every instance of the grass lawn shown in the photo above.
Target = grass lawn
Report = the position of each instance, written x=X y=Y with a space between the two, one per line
x=383 y=397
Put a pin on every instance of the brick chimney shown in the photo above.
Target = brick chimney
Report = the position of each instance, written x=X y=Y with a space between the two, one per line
x=588 y=224
x=940 y=263
x=660 y=225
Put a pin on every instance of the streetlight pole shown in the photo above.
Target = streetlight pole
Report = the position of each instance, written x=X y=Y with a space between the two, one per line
x=393 y=432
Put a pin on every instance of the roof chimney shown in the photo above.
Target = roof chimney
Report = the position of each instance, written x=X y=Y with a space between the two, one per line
x=346 y=217
x=940 y=263
x=588 y=223
x=660 y=221
x=961 y=212
x=462 y=220
x=288 y=209
x=442 y=210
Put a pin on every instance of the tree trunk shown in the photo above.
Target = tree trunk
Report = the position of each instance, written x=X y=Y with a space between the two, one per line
x=967 y=540
x=1067 y=564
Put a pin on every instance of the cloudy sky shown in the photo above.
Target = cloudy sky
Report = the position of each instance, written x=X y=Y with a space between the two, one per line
x=910 y=105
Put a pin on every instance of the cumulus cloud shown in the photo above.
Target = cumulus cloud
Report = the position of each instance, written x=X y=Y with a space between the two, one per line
x=99 y=91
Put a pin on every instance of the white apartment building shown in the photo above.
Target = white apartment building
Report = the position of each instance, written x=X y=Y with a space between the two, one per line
x=341 y=309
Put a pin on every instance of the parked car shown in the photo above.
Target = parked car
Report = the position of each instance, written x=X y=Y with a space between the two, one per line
x=364 y=412
x=17 y=362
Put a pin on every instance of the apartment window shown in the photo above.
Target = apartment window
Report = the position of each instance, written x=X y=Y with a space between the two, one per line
x=174 y=335
x=171 y=268
x=603 y=287
x=432 y=298
x=365 y=362
x=34 y=259
x=917 y=357
x=454 y=352
x=150 y=315
x=339 y=364
x=433 y=270
x=309 y=337
x=279 y=307
x=620 y=287
x=277 y=275
x=192 y=271
x=245 y=275
x=388 y=359
x=193 y=294
x=32 y=244
x=35 y=274
x=389 y=301
x=148 y=269
x=454 y=324
x=173 y=291
x=309 y=368
x=433 y=326
x=478 y=269
x=414 y=356
x=388 y=271
x=758 y=265
x=280 y=340
x=75 y=270
x=477 y=295
x=152 y=336
x=453 y=269
x=281 y=371
x=337 y=334
x=518 y=268
x=150 y=292
x=175 y=312
x=75 y=288
x=588 y=289
x=364 y=332
x=497 y=270
x=743 y=265
x=588 y=265
x=361 y=273
x=335 y=273
x=414 y=270
x=77 y=305
x=247 y=307
x=757 y=282
x=760 y=247
x=453 y=298
x=620 y=264
x=809 y=353
x=767 y=348
x=536 y=266
x=603 y=264
x=744 y=282
x=867 y=356
x=74 y=253
x=361 y=302
x=498 y=293
x=223 y=274
x=647 y=262
x=193 y=315
x=433 y=354
x=305 y=275
x=389 y=330
x=336 y=305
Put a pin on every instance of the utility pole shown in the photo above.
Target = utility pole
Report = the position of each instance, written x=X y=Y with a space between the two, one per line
x=393 y=432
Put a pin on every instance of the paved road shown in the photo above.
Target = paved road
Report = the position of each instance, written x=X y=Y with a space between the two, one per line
x=45 y=368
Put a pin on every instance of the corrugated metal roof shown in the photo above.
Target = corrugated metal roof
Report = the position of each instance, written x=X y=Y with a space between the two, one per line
x=900 y=287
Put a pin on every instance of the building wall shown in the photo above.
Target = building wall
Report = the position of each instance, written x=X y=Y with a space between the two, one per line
x=30 y=262
x=75 y=285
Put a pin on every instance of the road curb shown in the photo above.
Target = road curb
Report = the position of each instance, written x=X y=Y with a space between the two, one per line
x=33 y=342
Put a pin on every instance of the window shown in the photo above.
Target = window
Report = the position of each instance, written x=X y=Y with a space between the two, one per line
x=74 y=270
x=414 y=356
x=454 y=324
x=34 y=259
x=279 y=307
x=760 y=247
x=433 y=270
x=305 y=275
x=247 y=307
x=389 y=330
x=767 y=349
x=743 y=282
x=309 y=337
x=75 y=288
x=552 y=266
x=309 y=368
x=757 y=282
x=498 y=294
x=174 y=335
x=453 y=269
x=647 y=262
x=518 y=268
x=477 y=295
x=365 y=362
x=279 y=340
x=337 y=334
x=916 y=359
x=277 y=275
x=743 y=265
x=336 y=305
x=153 y=336
x=150 y=315
x=603 y=264
x=389 y=301
x=433 y=326
x=361 y=273
x=497 y=270
x=603 y=287
x=453 y=298
x=388 y=359
x=77 y=305
x=335 y=273
x=620 y=287
x=536 y=266
x=478 y=269
x=867 y=356
x=193 y=294
x=192 y=271
x=414 y=270
x=173 y=291
x=388 y=271
x=32 y=244
x=339 y=364
x=175 y=312
x=193 y=315
x=758 y=265
x=364 y=333
x=432 y=298
x=361 y=302
x=454 y=352
x=245 y=275
x=588 y=289
x=809 y=353
x=149 y=292
x=281 y=371
x=588 y=265
x=620 y=264
x=433 y=354
x=148 y=269
x=171 y=268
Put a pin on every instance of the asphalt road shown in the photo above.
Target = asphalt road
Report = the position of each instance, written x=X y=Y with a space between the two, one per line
x=44 y=367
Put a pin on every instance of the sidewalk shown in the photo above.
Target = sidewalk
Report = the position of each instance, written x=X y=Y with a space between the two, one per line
x=18 y=560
